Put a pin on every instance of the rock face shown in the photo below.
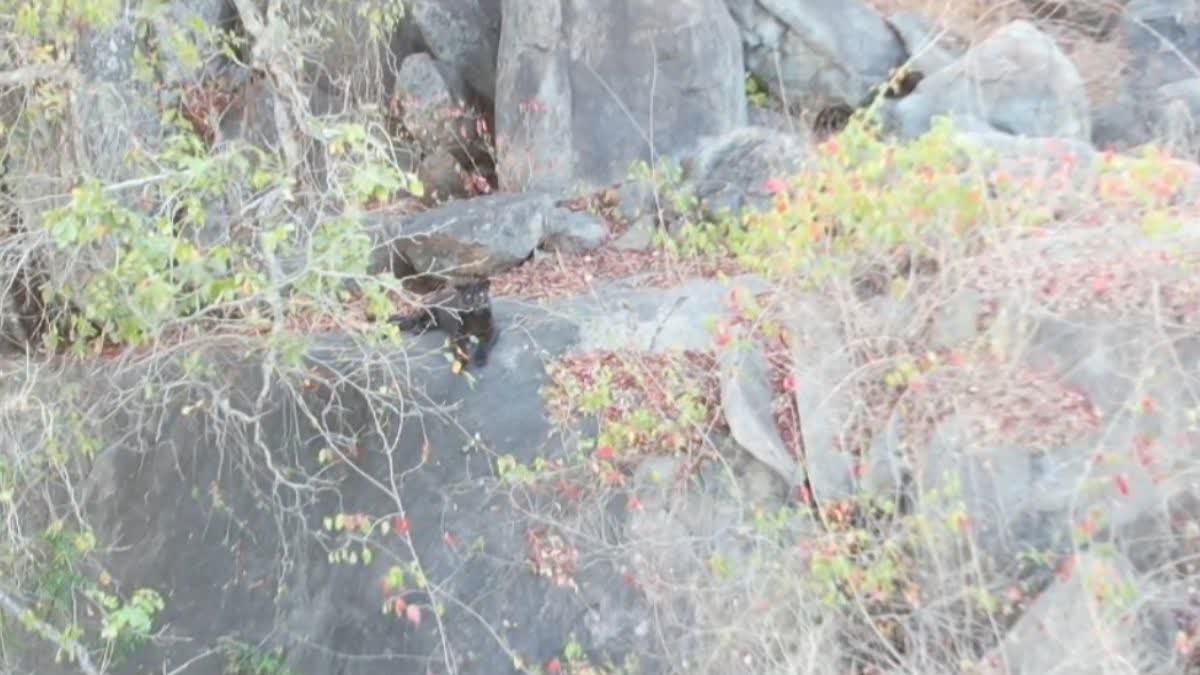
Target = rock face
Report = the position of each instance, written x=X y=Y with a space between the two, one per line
x=1164 y=39
x=1017 y=81
x=474 y=237
x=231 y=525
x=200 y=521
x=585 y=88
x=746 y=399
x=929 y=50
x=1062 y=630
x=729 y=173
x=483 y=236
x=462 y=36
x=818 y=52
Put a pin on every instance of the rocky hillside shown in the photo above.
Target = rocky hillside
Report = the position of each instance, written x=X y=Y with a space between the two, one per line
x=576 y=337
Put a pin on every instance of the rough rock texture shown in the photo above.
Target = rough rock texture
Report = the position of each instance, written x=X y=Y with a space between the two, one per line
x=813 y=53
x=178 y=23
x=585 y=88
x=226 y=515
x=1175 y=117
x=198 y=515
x=821 y=366
x=476 y=237
x=928 y=51
x=1078 y=626
x=746 y=399
x=1017 y=80
x=423 y=90
x=574 y=232
x=655 y=319
x=442 y=177
x=463 y=36
x=729 y=173
x=1164 y=38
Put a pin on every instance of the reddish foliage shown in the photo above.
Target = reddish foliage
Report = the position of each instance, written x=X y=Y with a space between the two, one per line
x=558 y=276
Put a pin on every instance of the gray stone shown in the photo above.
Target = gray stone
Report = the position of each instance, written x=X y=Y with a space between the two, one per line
x=585 y=87
x=1121 y=124
x=729 y=173
x=1077 y=625
x=823 y=372
x=746 y=399
x=956 y=322
x=1163 y=37
x=1017 y=80
x=481 y=236
x=463 y=36
x=624 y=316
x=639 y=236
x=421 y=85
x=927 y=51
x=992 y=482
x=636 y=197
x=442 y=176
x=817 y=52
x=197 y=24
x=229 y=531
x=574 y=232
x=434 y=110
x=1175 y=116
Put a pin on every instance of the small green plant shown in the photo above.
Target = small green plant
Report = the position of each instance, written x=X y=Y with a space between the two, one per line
x=244 y=659
x=674 y=201
x=645 y=404
x=756 y=93
x=133 y=620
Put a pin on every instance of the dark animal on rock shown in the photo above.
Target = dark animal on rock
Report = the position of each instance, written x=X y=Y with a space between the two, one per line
x=463 y=310
x=832 y=119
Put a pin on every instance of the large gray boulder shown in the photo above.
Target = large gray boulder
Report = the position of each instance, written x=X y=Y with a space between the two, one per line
x=1163 y=37
x=585 y=88
x=472 y=237
x=730 y=172
x=925 y=44
x=215 y=494
x=818 y=52
x=1162 y=40
x=1017 y=81
x=463 y=37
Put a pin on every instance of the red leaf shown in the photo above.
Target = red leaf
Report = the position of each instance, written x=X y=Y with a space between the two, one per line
x=413 y=614
x=450 y=540
x=724 y=338
x=776 y=186
x=401 y=526
x=804 y=495
x=400 y=605
x=1122 y=483
x=554 y=667
x=606 y=454
x=1066 y=568
x=634 y=505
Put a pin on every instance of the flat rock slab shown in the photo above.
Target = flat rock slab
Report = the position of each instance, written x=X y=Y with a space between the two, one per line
x=215 y=496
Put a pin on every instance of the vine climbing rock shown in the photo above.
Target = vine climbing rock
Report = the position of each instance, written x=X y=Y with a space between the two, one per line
x=586 y=87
